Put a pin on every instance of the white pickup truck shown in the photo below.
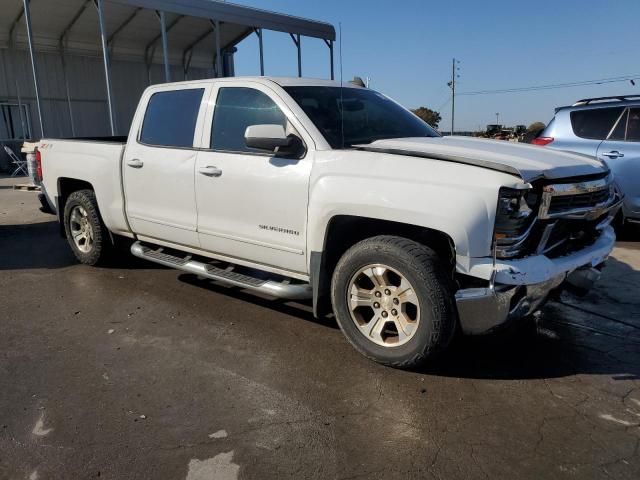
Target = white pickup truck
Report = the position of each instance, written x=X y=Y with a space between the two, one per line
x=306 y=189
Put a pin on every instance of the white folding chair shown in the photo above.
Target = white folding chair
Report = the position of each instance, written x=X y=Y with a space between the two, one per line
x=21 y=165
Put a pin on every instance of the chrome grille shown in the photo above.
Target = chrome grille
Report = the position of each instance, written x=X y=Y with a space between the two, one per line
x=570 y=216
x=580 y=200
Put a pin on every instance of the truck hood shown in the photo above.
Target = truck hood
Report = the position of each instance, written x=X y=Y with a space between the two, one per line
x=525 y=161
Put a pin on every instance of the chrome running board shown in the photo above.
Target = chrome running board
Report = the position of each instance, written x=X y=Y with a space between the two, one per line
x=284 y=289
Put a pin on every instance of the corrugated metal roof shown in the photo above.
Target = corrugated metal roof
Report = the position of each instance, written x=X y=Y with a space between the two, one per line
x=134 y=28
x=240 y=15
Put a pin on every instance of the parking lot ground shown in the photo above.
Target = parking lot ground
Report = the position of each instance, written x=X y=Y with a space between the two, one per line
x=136 y=371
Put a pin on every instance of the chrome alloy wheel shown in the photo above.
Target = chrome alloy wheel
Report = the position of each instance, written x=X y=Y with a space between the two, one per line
x=81 y=229
x=383 y=305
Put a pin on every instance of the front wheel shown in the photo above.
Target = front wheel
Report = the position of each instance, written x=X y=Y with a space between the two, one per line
x=393 y=301
x=86 y=233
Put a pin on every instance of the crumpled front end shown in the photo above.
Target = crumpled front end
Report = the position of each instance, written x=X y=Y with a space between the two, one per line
x=562 y=244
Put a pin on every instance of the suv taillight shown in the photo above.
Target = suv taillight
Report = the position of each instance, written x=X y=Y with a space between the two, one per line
x=38 y=166
x=542 y=141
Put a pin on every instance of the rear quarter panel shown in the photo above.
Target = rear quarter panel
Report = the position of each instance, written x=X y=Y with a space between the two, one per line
x=561 y=131
x=95 y=162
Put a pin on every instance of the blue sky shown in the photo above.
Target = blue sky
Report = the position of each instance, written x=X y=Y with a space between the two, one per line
x=406 y=47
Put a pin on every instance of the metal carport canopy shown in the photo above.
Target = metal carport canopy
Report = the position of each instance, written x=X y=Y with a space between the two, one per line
x=182 y=32
x=232 y=13
x=133 y=31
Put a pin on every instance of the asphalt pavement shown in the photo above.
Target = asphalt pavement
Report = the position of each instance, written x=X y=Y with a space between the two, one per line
x=140 y=372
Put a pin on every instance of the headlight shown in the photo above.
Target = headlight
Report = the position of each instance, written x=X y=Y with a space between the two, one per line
x=514 y=219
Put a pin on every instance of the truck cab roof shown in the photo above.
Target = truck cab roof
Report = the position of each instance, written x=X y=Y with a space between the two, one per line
x=281 y=81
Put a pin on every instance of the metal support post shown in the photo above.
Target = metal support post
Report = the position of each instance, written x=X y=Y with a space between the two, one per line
x=259 y=33
x=36 y=86
x=299 y=57
x=330 y=45
x=218 y=54
x=107 y=65
x=296 y=40
x=67 y=89
x=186 y=62
x=165 y=48
x=26 y=132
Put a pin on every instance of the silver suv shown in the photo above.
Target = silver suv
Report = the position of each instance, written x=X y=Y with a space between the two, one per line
x=607 y=128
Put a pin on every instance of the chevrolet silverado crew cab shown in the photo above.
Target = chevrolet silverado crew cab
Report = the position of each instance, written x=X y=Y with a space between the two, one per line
x=309 y=190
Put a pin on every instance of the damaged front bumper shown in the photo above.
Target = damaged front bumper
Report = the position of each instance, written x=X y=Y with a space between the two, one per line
x=518 y=288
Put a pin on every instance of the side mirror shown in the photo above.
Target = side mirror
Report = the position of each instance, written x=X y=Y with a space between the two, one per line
x=266 y=137
x=272 y=138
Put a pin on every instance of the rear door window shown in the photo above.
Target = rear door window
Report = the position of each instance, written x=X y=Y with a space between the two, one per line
x=595 y=123
x=170 y=119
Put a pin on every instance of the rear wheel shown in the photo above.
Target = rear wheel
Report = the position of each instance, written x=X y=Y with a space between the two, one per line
x=85 y=231
x=393 y=301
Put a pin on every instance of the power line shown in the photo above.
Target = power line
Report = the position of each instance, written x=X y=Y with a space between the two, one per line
x=444 y=104
x=624 y=78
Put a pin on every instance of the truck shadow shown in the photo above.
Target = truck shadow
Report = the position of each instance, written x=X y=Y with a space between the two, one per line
x=302 y=310
x=33 y=245
x=596 y=334
x=564 y=344
x=567 y=340
x=553 y=350
x=39 y=245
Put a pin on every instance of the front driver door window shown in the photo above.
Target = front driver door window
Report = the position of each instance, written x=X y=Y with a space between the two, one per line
x=237 y=109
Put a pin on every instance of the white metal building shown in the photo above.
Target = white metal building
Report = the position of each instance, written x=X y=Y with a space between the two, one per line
x=75 y=68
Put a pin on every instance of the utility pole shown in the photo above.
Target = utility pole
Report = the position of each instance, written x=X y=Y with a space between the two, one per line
x=497 y=118
x=452 y=85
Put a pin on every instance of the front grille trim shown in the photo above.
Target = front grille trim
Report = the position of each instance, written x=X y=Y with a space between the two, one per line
x=580 y=200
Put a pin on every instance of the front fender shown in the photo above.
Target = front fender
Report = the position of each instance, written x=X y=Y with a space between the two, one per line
x=465 y=216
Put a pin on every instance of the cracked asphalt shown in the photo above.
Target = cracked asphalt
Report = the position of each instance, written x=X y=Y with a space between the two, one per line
x=142 y=372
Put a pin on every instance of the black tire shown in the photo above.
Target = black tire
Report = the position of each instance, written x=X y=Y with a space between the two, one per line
x=101 y=246
x=423 y=269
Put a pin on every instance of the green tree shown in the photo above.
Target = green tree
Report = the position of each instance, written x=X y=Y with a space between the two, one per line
x=430 y=116
x=536 y=127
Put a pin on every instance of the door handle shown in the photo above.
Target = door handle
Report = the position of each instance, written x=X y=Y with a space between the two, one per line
x=135 y=163
x=210 y=171
x=613 y=154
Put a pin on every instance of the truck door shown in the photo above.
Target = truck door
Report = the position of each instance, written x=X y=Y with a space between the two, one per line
x=621 y=152
x=159 y=162
x=252 y=205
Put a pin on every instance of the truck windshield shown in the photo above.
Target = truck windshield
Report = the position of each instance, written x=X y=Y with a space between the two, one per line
x=367 y=115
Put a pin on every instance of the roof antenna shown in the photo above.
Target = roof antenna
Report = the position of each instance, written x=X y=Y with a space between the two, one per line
x=341 y=88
